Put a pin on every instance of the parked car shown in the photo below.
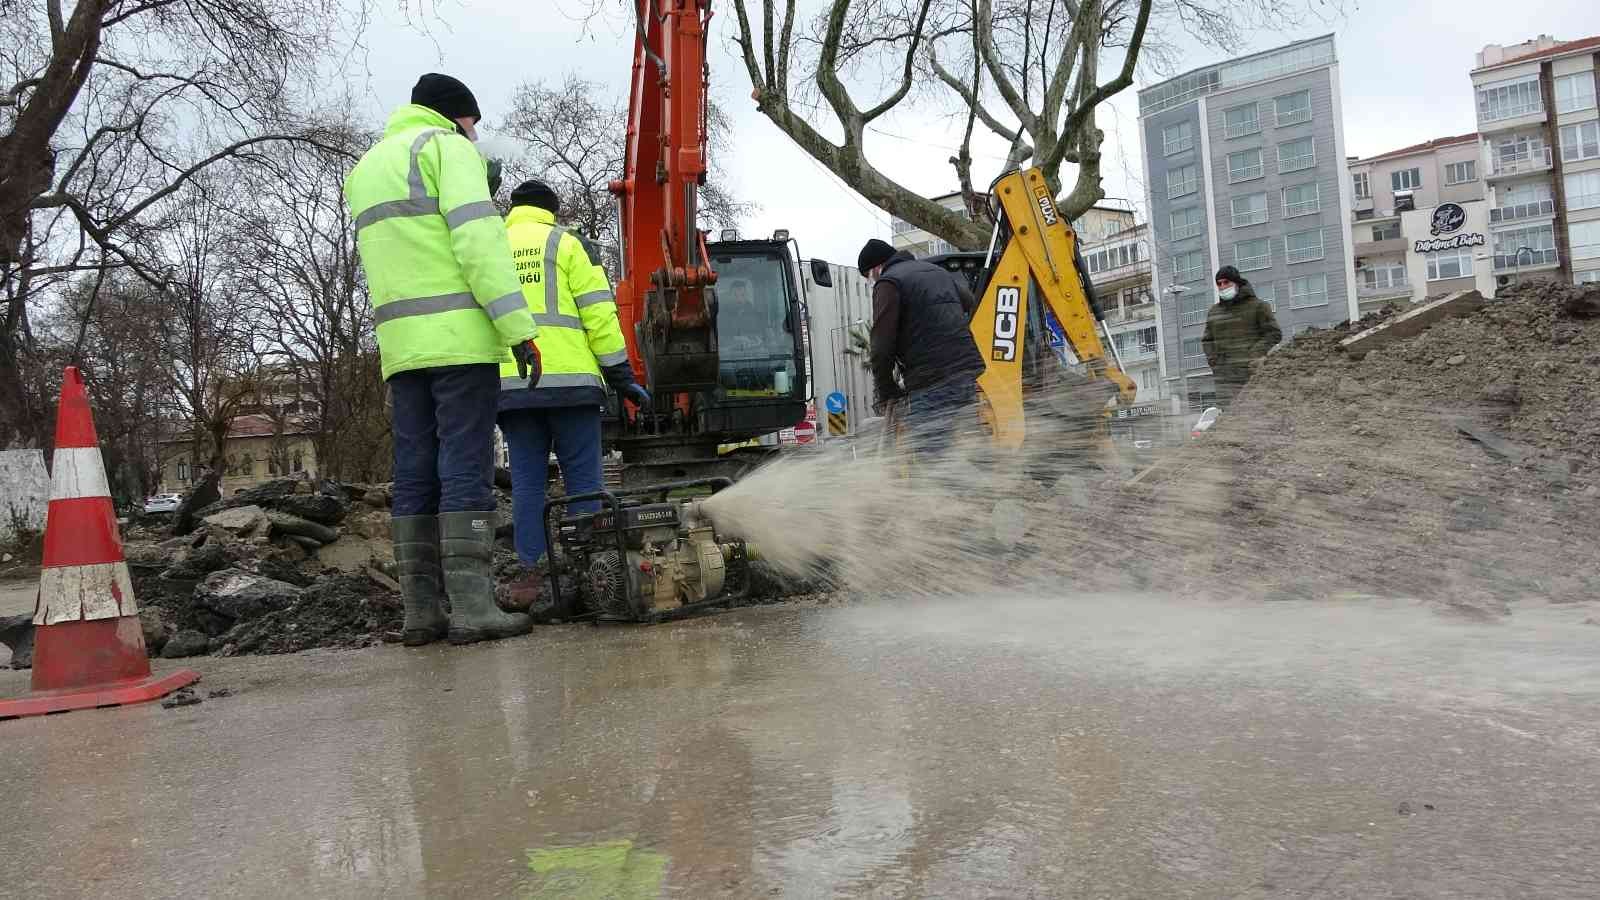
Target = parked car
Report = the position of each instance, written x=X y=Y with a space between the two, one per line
x=162 y=503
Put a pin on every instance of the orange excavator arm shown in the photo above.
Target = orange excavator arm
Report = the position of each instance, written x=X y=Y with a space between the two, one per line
x=664 y=296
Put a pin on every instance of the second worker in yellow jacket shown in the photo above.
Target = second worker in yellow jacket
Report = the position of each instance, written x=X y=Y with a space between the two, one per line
x=582 y=350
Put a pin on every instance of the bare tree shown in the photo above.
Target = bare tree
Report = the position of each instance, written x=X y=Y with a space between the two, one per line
x=297 y=270
x=110 y=109
x=1032 y=72
x=574 y=137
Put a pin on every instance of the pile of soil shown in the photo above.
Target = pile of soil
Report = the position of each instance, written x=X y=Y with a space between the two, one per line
x=1458 y=466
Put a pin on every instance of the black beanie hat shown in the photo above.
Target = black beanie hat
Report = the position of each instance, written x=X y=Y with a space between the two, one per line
x=875 y=253
x=446 y=96
x=1231 y=274
x=536 y=193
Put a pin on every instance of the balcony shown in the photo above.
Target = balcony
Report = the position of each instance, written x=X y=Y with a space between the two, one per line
x=1130 y=313
x=1536 y=210
x=1382 y=291
x=1524 y=261
x=1380 y=248
x=1528 y=162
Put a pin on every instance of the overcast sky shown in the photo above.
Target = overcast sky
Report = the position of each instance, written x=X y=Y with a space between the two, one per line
x=1403 y=74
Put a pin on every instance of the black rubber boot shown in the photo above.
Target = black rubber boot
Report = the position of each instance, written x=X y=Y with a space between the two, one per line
x=416 y=555
x=468 y=542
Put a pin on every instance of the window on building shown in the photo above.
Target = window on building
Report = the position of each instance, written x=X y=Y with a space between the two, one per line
x=1461 y=172
x=1386 y=231
x=1518 y=248
x=1308 y=291
x=1526 y=192
x=1186 y=222
x=1296 y=155
x=1149 y=379
x=1583 y=190
x=1575 y=92
x=1509 y=99
x=1177 y=137
x=1303 y=246
x=299 y=462
x=901 y=226
x=1241 y=120
x=1584 y=239
x=1194 y=354
x=1194 y=307
x=1520 y=153
x=183 y=470
x=1187 y=267
x=1249 y=209
x=1245 y=165
x=1301 y=200
x=1182 y=182
x=1406 y=179
x=1580 y=141
x=1383 y=276
x=1449 y=264
x=1363 y=185
x=1267 y=292
x=1147 y=340
x=1292 y=109
x=247 y=465
x=1253 y=256
x=1590 y=277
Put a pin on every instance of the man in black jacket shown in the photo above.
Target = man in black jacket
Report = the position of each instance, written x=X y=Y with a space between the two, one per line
x=920 y=316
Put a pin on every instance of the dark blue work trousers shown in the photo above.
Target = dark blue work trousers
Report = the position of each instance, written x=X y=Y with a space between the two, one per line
x=444 y=439
x=574 y=433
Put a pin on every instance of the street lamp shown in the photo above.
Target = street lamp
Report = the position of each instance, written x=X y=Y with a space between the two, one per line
x=1176 y=291
x=1516 y=264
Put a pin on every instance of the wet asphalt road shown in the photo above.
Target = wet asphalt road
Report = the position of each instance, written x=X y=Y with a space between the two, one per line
x=1105 y=747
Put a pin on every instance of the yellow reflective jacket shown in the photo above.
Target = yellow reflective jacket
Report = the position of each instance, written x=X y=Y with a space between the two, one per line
x=444 y=290
x=571 y=300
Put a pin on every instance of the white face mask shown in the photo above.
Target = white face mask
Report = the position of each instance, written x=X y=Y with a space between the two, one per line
x=1228 y=293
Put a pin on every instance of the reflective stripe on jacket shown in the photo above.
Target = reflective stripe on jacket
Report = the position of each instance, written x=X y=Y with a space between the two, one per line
x=571 y=301
x=444 y=290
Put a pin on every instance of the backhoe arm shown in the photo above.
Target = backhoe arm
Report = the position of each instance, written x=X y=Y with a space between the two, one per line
x=1041 y=250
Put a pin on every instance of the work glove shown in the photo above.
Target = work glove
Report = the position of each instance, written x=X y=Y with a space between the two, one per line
x=529 y=364
x=637 y=393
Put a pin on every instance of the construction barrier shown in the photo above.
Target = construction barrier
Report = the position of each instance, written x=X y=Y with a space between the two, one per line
x=88 y=646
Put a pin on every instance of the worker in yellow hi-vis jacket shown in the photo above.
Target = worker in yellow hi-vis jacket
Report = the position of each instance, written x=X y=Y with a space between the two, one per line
x=581 y=344
x=447 y=305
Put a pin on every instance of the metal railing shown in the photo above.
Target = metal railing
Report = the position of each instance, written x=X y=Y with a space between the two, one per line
x=1304 y=254
x=1296 y=163
x=1254 y=263
x=1531 y=160
x=1240 y=129
x=1182 y=188
x=1255 y=217
x=1522 y=211
x=1302 y=208
x=1525 y=259
x=1177 y=146
x=1246 y=173
x=1295 y=116
x=1183 y=232
x=1383 y=290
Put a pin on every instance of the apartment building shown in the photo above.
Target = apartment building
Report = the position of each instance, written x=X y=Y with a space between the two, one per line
x=1540 y=132
x=1244 y=165
x=1420 y=223
x=1119 y=267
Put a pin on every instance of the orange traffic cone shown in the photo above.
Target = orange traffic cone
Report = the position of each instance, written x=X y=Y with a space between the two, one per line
x=88 y=648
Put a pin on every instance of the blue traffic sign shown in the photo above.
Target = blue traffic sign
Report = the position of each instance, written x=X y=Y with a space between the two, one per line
x=836 y=402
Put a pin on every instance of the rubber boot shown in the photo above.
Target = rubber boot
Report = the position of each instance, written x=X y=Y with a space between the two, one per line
x=468 y=542
x=416 y=555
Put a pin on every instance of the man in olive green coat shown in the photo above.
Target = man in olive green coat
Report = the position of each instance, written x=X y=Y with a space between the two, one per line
x=1240 y=329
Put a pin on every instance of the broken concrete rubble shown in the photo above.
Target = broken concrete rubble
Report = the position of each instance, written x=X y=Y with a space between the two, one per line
x=244 y=521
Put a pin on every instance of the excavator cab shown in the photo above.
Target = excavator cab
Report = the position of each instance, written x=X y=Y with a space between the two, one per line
x=762 y=383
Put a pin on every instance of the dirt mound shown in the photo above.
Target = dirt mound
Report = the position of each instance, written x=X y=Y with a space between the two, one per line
x=1457 y=466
